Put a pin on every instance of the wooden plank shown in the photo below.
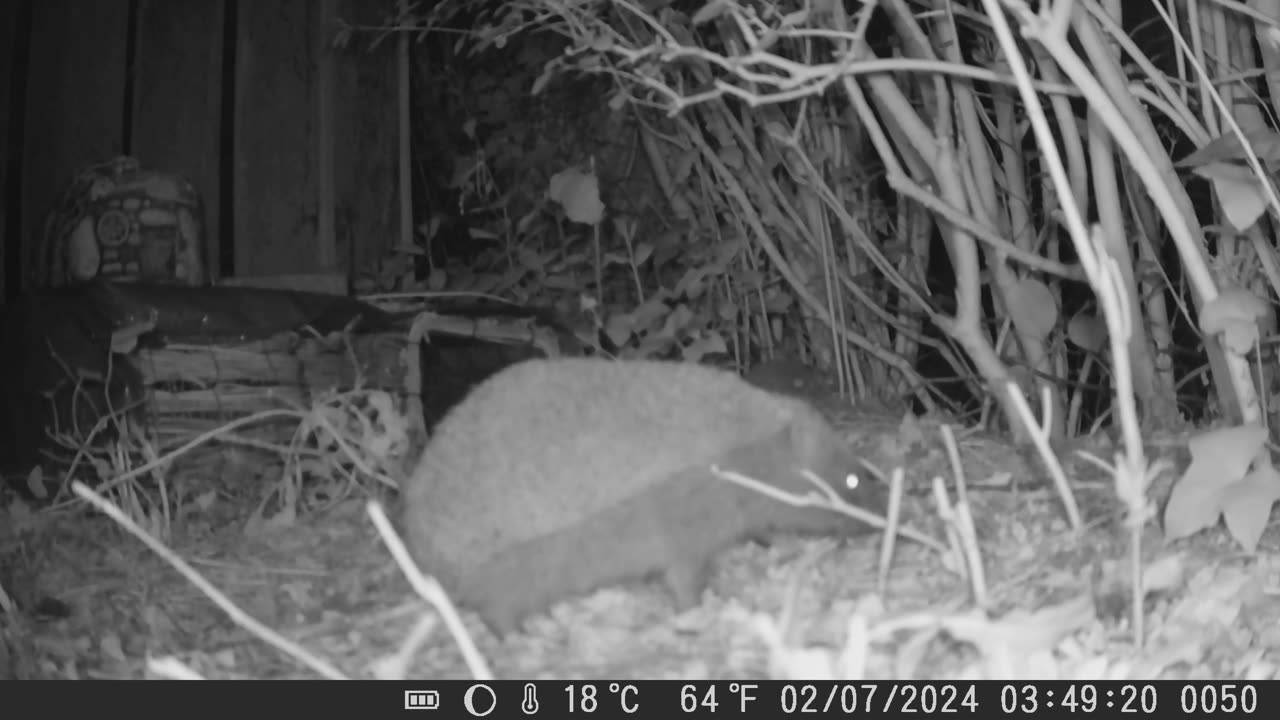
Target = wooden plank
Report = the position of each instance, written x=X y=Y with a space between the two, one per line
x=365 y=128
x=9 y=20
x=74 y=101
x=404 y=139
x=177 y=104
x=333 y=283
x=326 y=245
x=275 y=176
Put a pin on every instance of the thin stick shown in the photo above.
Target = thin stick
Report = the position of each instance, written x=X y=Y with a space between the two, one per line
x=237 y=615
x=429 y=588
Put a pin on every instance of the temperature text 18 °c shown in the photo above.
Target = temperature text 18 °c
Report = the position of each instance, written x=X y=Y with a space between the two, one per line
x=588 y=698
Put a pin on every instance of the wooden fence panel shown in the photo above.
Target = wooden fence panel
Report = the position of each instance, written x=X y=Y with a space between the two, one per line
x=177 y=105
x=275 y=170
x=74 y=101
x=366 y=131
x=300 y=107
x=9 y=15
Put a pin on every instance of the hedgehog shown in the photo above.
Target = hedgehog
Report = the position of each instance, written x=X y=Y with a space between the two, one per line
x=557 y=477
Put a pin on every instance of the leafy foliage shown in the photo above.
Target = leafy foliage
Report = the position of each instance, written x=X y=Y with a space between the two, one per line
x=884 y=190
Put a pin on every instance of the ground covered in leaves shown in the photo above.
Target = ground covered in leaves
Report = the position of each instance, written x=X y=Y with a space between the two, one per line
x=1057 y=603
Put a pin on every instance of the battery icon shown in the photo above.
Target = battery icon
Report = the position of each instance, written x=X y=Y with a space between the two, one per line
x=421 y=699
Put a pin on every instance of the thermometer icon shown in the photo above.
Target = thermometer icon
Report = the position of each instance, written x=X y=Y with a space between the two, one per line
x=530 y=703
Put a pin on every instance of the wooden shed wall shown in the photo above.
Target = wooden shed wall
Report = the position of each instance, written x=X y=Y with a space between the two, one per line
x=255 y=121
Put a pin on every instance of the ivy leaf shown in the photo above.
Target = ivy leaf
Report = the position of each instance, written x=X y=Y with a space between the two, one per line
x=1087 y=331
x=1033 y=306
x=1219 y=459
x=1246 y=506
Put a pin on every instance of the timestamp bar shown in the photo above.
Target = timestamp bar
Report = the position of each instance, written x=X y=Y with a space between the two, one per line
x=610 y=700
x=701 y=700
